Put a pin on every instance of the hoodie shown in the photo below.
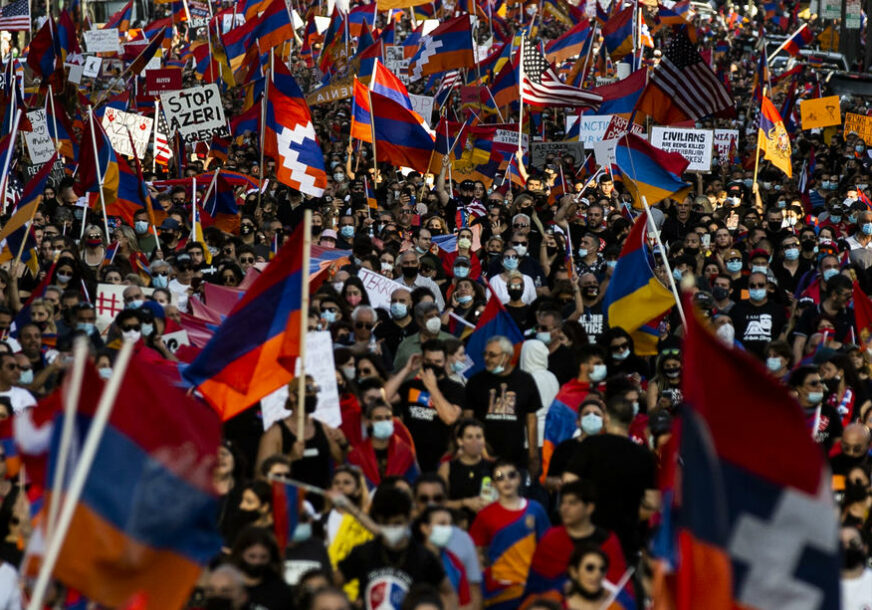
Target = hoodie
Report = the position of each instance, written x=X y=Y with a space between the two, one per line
x=534 y=360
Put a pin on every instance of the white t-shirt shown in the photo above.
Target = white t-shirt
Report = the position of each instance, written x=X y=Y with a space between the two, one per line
x=10 y=595
x=498 y=285
x=20 y=399
x=857 y=592
x=181 y=293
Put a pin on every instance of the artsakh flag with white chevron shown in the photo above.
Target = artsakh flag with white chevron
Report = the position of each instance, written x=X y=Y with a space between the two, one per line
x=290 y=139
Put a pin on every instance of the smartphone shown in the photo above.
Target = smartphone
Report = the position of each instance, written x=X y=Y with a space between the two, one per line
x=706 y=240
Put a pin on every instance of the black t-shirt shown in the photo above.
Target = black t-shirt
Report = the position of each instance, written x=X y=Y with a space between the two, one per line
x=594 y=321
x=621 y=470
x=829 y=426
x=393 y=334
x=842 y=322
x=429 y=432
x=503 y=402
x=757 y=325
x=271 y=594
x=386 y=575
x=561 y=456
x=562 y=363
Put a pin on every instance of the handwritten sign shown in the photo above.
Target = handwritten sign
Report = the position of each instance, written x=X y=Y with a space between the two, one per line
x=166 y=79
x=540 y=150
x=695 y=145
x=118 y=123
x=423 y=105
x=102 y=41
x=378 y=288
x=110 y=302
x=39 y=142
x=320 y=365
x=859 y=124
x=196 y=113
x=725 y=141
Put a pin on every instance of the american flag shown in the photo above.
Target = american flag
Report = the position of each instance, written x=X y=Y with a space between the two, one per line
x=688 y=81
x=15 y=16
x=163 y=152
x=449 y=81
x=540 y=85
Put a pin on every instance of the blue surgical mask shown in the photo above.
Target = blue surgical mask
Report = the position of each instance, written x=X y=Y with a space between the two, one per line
x=302 y=532
x=836 y=217
x=734 y=266
x=147 y=329
x=544 y=336
x=582 y=252
x=105 y=372
x=510 y=264
x=329 y=316
x=815 y=398
x=399 y=310
x=621 y=355
x=676 y=273
x=759 y=269
x=86 y=327
x=867 y=228
x=135 y=304
x=748 y=182
x=612 y=264
x=791 y=254
x=773 y=363
x=825 y=184
x=458 y=366
x=465 y=299
x=859 y=148
x=159 y=281
x=781 y=204
x=829 y=273
x=757 y=294
x=140 y=227
x=26 y=377
x=347 y=231
x=591 y=424
x=498 y=369
x=383 y=430
x=461 y=272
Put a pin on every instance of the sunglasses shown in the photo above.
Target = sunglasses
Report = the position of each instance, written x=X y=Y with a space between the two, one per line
x=620 y=345
x=519 y=243
x=519 y=225
x=126 y=328
x=246 y=259
x=511 y=475
x=366 y=325
x=594 y=567
x=671 y=352
x=436 y=499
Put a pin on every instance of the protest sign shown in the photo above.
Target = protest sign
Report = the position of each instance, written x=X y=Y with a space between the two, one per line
x=860 y=125
x=539 y=152
x=695 y=145
x=726 y=140
x=39 y=142
x=109 y=303
x=618 y=127
x=176 y=339
x=396 y=62
x=57 y=172
x=166 y=79
x=118 y=123
x=196 y=113
x=336 y=90
x=91 y=69
x=604 y=152
x=320 y=365
x=591 y=129
x=76 y=73
x=378 y=288
x=820 y=112
x=423 y=105
x=102 y=41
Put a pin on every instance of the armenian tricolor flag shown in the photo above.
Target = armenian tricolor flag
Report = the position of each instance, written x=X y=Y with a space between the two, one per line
x=650 y=172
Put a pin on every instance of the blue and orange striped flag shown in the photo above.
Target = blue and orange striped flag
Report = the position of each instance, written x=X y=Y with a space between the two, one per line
x=772 y=138
x=121 y=19
x=371 y=200
x=253 y=352
x=650 y=172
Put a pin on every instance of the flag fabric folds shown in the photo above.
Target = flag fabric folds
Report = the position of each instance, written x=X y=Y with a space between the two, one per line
x=650 y=172
x=635 y=295
x=287 y=505
x=30 y=198
x=145 y=521
x=540 y=85
x=618 y=34
x=402 y=138
x=290 y=139
x=448 y=47
x=121 y=19
x=15 y=16
x=621 y=97
x=494 y=320
x=573 y=43
x=253 y=351
x=800 y=38
x=772 y=138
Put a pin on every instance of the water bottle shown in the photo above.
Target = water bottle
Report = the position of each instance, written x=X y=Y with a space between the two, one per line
x=488 y=491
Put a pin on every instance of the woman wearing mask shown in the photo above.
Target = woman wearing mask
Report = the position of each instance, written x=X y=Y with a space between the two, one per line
x=354 y=293
x=257 y=555
x=845 y=391
x=464 y=250
x=455 y=360
x=590 y=422
x=332 y=309
x=66 y=274
x=520 y=311
x=387 y=262
x=311 y=455
x=466 y=301
x=499 y=283
x=227 y=478
x=667 y=376
x=588 y=591
x=621 y=355
x=788 y=266
x=253 y=509
x=93 y=253
x=468 y=473
x=551 y=252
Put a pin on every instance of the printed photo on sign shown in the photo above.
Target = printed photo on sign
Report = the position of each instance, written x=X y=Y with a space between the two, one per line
x=196 y=113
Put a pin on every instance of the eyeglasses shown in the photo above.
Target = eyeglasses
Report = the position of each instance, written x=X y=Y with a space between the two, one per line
x=519 y=243
x=511 y=475
x=519 y=225
x=594 y=567
x=673 y=351
x=94 y=237
x=814 y=384
x=330 y=309
x=131 y=327
x=160 y=273
x=366 y=325
x=427 y=499
x=246 y=259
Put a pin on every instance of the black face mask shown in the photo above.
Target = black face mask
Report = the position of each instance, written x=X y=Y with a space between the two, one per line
x=720 y=293
x=311 y=403
x=218 y=603
x=774 y=225
x=853 y=558
x=832 y=384
x=239 y=520
x=255 y=570
x=808 y=245
x=246 y=229
x=515 y=294
x=437 y=370
x=691 y=251
x=409 y=272
x=552 y=250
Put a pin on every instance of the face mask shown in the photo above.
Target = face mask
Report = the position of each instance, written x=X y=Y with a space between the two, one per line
x=781 y=204
x=791 y=254
x=399 y=310
x=676 y=273
x=131 y=335
x=135 y=304
x=867 y=228
x=244 y=229
x=544 y=337
x=635 y=408
x=612 y=264
x=825 y=184
x=348 y=372
x=720 y=293
x=394 y=535
x=773 y=363
x=329 y=316
x=815 y=398
x=853 y=558
x=310 y=403
x=458 y=366
x=440 y=535
x=852 y=218
x=591 y=424
x=759 y=269
x=516 y=293
x=521 y=250
x=672 y=373
x=464 y=242
x=93 y=243
x=859 y=148
x=727 y=334
x=410 y=272
x=621 y=355
x=465 y=299
x=829 y=273
x=461 y=272
x=105 y=372
x=87 y=327
x=757 y=294
x=147 y=329
x=63 y=278
x=433 y=325
x=140 y=227
x=836 y=217
x=498 y=369
x=347 y=231
x=255 y=570
x=302 y=532
x=748 y=182
x=339 y=176
x=159 y=281
x=599 y=372
x=582 y=252
x=354 y=299
x=734 y=266
x=218 y=603
x=386 y=266
x=26 y=377
x=420 y=250
x=383 y=430
x=691 y=251
x=510 y=264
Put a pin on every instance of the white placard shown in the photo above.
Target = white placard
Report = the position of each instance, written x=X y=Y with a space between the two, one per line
x=604 y=152
x=92 y=67
x=508 y=136
x=156 y=62
x=228 y=22
x=695 y=145
x=378 y=288
x=196 y=113
x=75 y=74
x=724 y=140
x=423 y=105
x=174 y=340
x=102 y=41
x=320 y=365
x=110 y=302
x=591 y=129
x=117 y=123
x=39 y=142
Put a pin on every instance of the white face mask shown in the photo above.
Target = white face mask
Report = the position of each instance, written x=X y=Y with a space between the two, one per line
x=131 y=335
x=440 y=535
x=433 y=325
x=727 y=334
x=394 y=535
x=599 y=372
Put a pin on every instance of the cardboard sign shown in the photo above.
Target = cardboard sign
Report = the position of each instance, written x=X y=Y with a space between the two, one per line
x=39 y=142
x=604 y=152
x=76 y=73
x=423 y=105
x=378 y=288
x=118 y=123
x=320 y=365
x=860 y=125
x=196 y=113
x=91 y=68
x=102 y=41
x=695 y=145
x=166 y=79
x=540 y=151
x=820 y=112
x=725 y=141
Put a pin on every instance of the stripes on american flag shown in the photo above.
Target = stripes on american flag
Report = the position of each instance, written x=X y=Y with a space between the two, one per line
x=686 y=78
x=540 y=85
x=15 y=16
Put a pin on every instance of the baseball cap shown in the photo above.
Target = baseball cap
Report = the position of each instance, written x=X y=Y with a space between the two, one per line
x=328 y=233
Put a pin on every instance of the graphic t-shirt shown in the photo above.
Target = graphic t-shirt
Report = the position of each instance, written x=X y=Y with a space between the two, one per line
x=429 y=432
